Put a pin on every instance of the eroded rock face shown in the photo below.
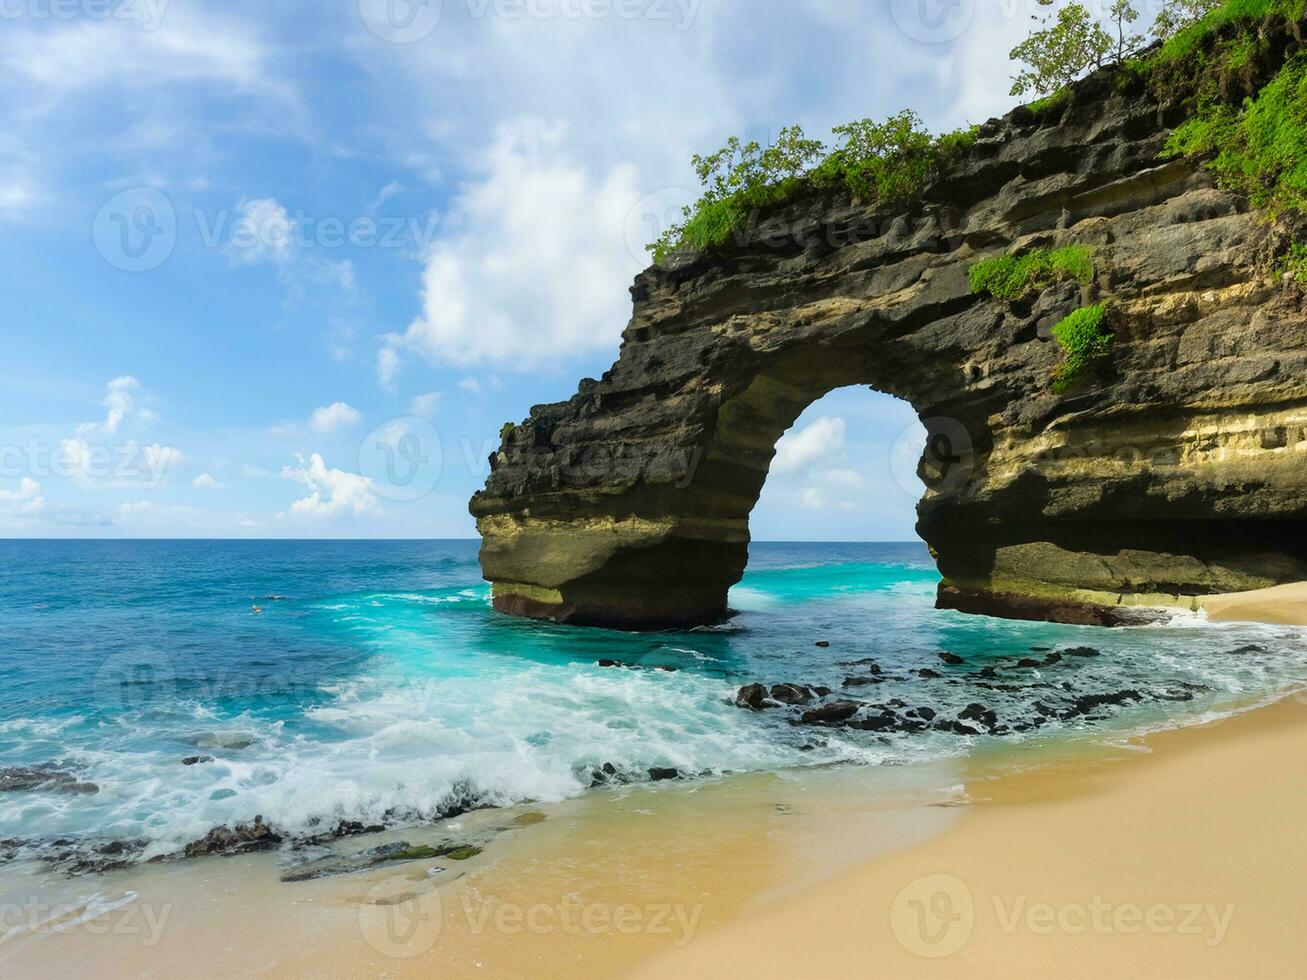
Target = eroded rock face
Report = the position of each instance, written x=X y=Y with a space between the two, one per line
x=1178 y=470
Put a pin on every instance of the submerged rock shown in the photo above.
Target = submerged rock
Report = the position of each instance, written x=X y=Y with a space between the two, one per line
x=29 y=778
x=240 y=839
x=952 y=659
x=831 y=714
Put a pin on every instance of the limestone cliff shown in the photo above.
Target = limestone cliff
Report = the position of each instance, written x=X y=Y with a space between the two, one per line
x=1175 y=470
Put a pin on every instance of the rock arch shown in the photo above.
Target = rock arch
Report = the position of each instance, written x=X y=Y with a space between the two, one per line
x=1176 y=472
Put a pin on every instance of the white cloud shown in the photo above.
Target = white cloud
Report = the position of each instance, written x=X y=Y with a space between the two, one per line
x=332 y=493
x=535 y=268
x=798 y=450
x=129 y=465
x=262 y=232
x=256 y=472
x=387 y=365
x=206 y=482
x=426 y=406
x=332 y=417
x=187 y=47
x=813 y=500
x=20 y=506
x=120 y=401
x=471 y=385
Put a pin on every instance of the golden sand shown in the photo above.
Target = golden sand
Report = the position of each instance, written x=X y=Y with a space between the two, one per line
x=1178 y=855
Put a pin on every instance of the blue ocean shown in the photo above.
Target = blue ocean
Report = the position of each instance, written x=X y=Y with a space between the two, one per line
x=311 y=683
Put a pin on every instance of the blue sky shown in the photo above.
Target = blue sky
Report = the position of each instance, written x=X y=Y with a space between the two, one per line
x=284 y=270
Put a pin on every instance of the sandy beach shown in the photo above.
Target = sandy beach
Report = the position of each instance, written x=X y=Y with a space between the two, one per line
x=1178 y=854
x=1184 y=860
x=1285 y=605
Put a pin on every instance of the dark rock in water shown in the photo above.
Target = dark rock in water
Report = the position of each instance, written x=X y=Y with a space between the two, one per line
x=924 y=713
x=989 y=672
x=392 y=853
x=256 y=836
x=952 y=659
x=791 y=694
x=1245 y=650
x=831 y=714
x=752 y=696
x=609 y=769
x=823 y=643
x=195 y=760
x=821 y=692
x=27 y=778
x=659 y=774
x=956 y=727
x=1040 y=649
x=1030 y=663
x=927 y=674
x=860 y=681
x=1081 y=652
x=1091 y=702
x=1052 y=658
x=608 y=663
x=886 y=721
x=868 y=662
x=979 y=713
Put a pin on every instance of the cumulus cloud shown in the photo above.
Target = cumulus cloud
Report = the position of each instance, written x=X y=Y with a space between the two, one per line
x=206 y=481
x=816 y=442
x=535 y=268
x=21 y=505
x=338 y=415
x=332 y=493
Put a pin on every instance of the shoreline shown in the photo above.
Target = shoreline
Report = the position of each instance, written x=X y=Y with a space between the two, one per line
x=797 y=871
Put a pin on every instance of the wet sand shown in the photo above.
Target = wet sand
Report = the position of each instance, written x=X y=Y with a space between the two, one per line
x=1179 y=854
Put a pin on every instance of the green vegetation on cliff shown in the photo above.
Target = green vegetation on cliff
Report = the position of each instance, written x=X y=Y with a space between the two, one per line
x=1085 y=341
x=889 y=161
x=1011 y=277
x=1259 y=148
x=1295 y=263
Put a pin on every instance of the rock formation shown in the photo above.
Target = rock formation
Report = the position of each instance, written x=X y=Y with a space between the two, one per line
x=1177 y=470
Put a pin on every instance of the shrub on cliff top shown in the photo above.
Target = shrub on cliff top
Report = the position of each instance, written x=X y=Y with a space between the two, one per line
x=1082 y=337
x=889 y=161
x=1011 y=277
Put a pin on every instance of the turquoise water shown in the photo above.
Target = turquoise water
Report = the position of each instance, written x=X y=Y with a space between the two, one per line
x=377 y=685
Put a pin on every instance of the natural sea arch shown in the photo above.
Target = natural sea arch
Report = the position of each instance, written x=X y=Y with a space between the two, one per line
x=1175 y=472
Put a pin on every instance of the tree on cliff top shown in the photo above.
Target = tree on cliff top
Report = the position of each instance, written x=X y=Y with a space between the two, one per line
x=1074 y=40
